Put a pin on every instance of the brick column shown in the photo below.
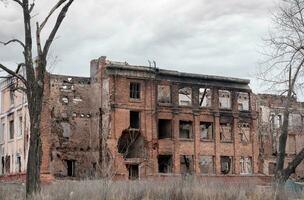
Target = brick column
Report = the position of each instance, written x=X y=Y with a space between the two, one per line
x=255 y=145
x=196 y=129
x=217 y=144
x=236 y=144
x=175 y=129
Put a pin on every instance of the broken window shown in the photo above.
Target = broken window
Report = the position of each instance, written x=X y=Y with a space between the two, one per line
x=70 y=167
x=207 y=164
x=164 y=94
x=205 y=97
x=272 y=168
x=186 y=164
x=18 y=163
x=134 y=90
x=224 y=99
x=185 y=96
x=243 y=101
x=244 y=129
x=165 y=163
x=11 y=129
x=226 y=129
x=185 y=129
x=134 y=120
x=226 y=165
x=206 y=130
x=164 y=128
x=133 y=171
x=131 y=144
x=246 y=165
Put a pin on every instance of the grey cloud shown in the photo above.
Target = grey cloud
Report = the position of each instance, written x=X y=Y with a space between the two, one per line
x=199 y=36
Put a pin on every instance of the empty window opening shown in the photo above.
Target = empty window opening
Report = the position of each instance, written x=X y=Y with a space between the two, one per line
x=11 y=129
x=164 y=128
x=226 y=132
x=272 y=168
x=244 y=130
x=165 y=163
x=206 y=130
x=186 y=164
x=18 y=163
x=205 y=97
x=66 y=127
x=185 y=129
x=7 y=164
x=70 y=167
x=134 y=90
x=2 y=165
x=185 y=96
x=133 y=171
x=226 y=165
x=278 y=121
x=243 y=101
x=164 y=94
x=134 y=120
x=131 y=144
x=65 y=100
x=207 y=164
x=224 y=99
x=246 y=165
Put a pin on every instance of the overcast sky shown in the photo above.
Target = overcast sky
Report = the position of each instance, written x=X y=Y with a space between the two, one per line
x=219 y=37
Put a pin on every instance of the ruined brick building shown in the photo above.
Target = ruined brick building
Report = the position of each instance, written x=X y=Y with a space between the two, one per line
x=145 y=122
x=271 y=109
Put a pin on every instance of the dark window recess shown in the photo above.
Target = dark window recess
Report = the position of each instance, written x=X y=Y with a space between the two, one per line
x=11 y=129
x=19 y=163
x=2 y=165
x=185 y=129
x=165 y=163
x=7 y=164
x=133 y=171
x=134 y=90
x=271 y=168
x=206 y=130
x=134 y=119
x=226 y=165
x=70 y=167
x=164 y=128
x=186 y=164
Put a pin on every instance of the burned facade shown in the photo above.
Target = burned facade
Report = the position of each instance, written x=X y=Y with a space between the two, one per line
x=164 y=123
x=271 y=108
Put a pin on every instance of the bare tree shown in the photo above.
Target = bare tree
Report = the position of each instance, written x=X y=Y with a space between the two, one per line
x=33 y=81
x=284 y=71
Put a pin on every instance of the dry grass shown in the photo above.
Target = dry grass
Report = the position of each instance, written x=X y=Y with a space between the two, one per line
x=137 y=190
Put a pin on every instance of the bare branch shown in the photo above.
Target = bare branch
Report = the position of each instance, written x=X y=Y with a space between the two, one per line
x=13 y=41
x=60 y=18
x=19 y=2
x=59 y=3
x=14 y=74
